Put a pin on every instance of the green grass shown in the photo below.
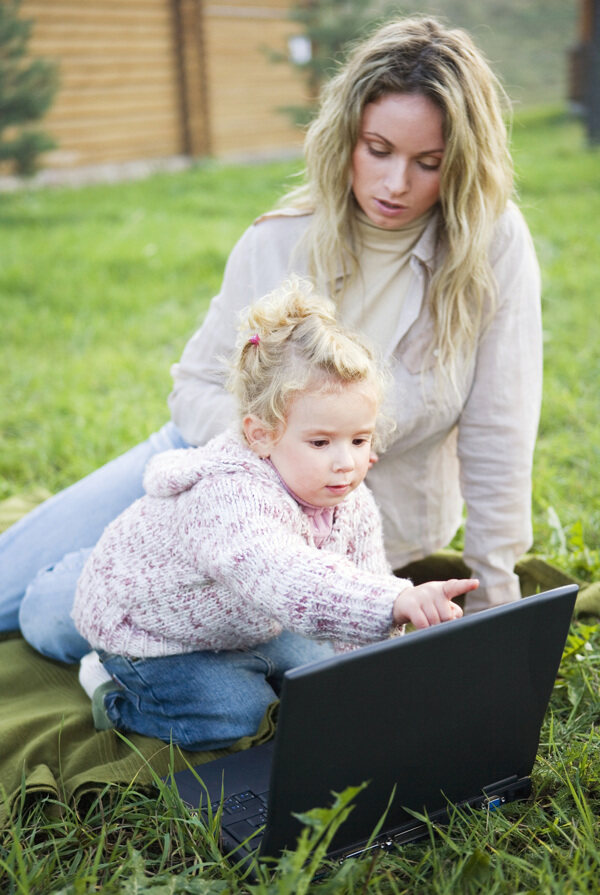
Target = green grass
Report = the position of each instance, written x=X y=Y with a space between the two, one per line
x=99 y=289
x=130 y=841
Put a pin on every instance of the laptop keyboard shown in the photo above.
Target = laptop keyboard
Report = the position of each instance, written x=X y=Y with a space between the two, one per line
x=243 y=814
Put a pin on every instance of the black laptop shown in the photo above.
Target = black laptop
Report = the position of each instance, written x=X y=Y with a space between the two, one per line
x=450 y=715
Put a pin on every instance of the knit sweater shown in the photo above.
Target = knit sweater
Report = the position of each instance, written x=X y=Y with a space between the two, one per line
x=218 y=555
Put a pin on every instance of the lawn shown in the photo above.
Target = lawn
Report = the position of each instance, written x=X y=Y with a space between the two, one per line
x=99 y=289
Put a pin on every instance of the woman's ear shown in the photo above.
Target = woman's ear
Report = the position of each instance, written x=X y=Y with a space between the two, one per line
x=259 y=436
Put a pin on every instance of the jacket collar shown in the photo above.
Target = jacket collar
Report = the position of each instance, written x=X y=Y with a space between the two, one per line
x=425 y=249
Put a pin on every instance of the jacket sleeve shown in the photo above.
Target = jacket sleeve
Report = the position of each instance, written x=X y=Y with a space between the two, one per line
x=248 y=545
x=199 y=403
x=498 y=425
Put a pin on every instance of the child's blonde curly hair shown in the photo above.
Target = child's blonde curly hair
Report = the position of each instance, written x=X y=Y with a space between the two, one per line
x=290 y=342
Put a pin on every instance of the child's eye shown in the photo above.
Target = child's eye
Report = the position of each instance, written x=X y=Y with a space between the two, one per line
x=359 y=441
x=319 y=442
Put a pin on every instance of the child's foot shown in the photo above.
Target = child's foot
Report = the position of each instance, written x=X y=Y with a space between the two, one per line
x=92 y=673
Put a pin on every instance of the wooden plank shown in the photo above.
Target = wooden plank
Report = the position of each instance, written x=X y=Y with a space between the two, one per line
x=129 y=124
x=153 y=142
x=250 y=9
x=195 y=100
x=83 y=151
x=132 y=77
x=100 y=21
x=112 y=44
x=115 y=112
x=109 y=64
x=63 y=9
x=104 y=155
x=161 y=92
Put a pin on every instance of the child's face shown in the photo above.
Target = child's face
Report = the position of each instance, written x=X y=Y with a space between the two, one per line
x=323 y=452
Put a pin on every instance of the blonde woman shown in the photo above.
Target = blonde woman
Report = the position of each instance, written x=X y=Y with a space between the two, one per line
x=406 y=221
x=249 y=555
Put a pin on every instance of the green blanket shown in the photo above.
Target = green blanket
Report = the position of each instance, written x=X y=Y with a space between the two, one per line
x=48 y=744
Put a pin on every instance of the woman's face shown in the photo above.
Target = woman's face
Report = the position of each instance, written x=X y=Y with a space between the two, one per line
x=396 y=163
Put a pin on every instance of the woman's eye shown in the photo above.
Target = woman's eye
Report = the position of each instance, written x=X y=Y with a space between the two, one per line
x=430 y=166
x=377 y=151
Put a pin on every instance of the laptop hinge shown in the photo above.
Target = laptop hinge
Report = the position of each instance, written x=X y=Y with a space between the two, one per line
x=492 y=797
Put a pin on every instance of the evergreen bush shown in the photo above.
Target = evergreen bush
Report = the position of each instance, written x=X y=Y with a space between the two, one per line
x=27 y=88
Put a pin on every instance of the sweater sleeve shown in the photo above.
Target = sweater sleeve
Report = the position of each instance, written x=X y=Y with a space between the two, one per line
x=365 y=547
x=250 y=544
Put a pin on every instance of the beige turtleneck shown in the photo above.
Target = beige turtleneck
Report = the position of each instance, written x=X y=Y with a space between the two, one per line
x=373 y=298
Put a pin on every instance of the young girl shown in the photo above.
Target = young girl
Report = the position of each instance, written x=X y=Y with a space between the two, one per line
x=252 y=554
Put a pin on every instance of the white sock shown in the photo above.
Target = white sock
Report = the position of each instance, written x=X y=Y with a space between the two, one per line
x=92 y=673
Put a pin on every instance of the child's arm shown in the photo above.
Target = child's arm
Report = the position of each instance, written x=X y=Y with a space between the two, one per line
x=431 y=603
x=365 y=549
x=424 y=605
x=245 y=540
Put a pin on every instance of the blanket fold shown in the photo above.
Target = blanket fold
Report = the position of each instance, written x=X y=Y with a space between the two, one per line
x=48 y=744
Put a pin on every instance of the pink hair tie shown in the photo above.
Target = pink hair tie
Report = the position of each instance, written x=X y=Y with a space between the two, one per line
x=255 y=339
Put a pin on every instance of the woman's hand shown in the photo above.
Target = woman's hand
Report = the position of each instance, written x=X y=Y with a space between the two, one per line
x=431 y=603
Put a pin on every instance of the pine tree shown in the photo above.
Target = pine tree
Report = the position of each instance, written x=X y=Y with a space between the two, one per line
x=27 y=88
x=330 y=26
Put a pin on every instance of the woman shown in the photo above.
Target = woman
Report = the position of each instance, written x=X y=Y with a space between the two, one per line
x=405 y=219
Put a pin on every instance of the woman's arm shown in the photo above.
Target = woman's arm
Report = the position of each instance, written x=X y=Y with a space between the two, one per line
x=498 y=425
x=200 y=406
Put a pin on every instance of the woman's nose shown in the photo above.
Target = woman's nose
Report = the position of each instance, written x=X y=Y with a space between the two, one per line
x=396 y=180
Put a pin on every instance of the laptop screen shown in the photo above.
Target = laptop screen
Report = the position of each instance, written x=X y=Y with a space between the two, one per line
x=437 y=716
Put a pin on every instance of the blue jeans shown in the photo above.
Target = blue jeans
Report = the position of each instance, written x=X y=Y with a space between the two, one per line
x=202 y=700
x=42 y=555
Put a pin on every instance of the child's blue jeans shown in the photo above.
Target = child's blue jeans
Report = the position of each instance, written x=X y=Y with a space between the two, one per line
x=201 y=700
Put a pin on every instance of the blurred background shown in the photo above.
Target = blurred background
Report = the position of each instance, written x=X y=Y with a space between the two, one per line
x=122 y=81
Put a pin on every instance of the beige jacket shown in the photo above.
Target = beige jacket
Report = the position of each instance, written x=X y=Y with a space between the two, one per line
x=476 y=447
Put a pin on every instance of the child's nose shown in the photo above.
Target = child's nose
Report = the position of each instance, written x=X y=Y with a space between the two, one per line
x=343 y=460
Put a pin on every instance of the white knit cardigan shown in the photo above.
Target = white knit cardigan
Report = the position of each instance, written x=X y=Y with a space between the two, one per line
x=217 y=555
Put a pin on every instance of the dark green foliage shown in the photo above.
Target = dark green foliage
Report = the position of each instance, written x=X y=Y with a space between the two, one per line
x=526 y=43
x=330 y=26
x=27 y=88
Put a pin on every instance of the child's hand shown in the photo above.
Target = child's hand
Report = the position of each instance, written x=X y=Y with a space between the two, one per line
x=431 y=603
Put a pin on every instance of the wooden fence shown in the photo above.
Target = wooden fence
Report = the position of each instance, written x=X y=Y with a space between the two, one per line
x=149 y=79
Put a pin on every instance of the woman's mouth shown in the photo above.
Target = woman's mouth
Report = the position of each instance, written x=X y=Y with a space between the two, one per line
x=390 y=208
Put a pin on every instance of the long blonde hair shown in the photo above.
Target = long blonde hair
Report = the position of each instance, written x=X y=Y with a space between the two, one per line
x=416 y=55
x=290 y=341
